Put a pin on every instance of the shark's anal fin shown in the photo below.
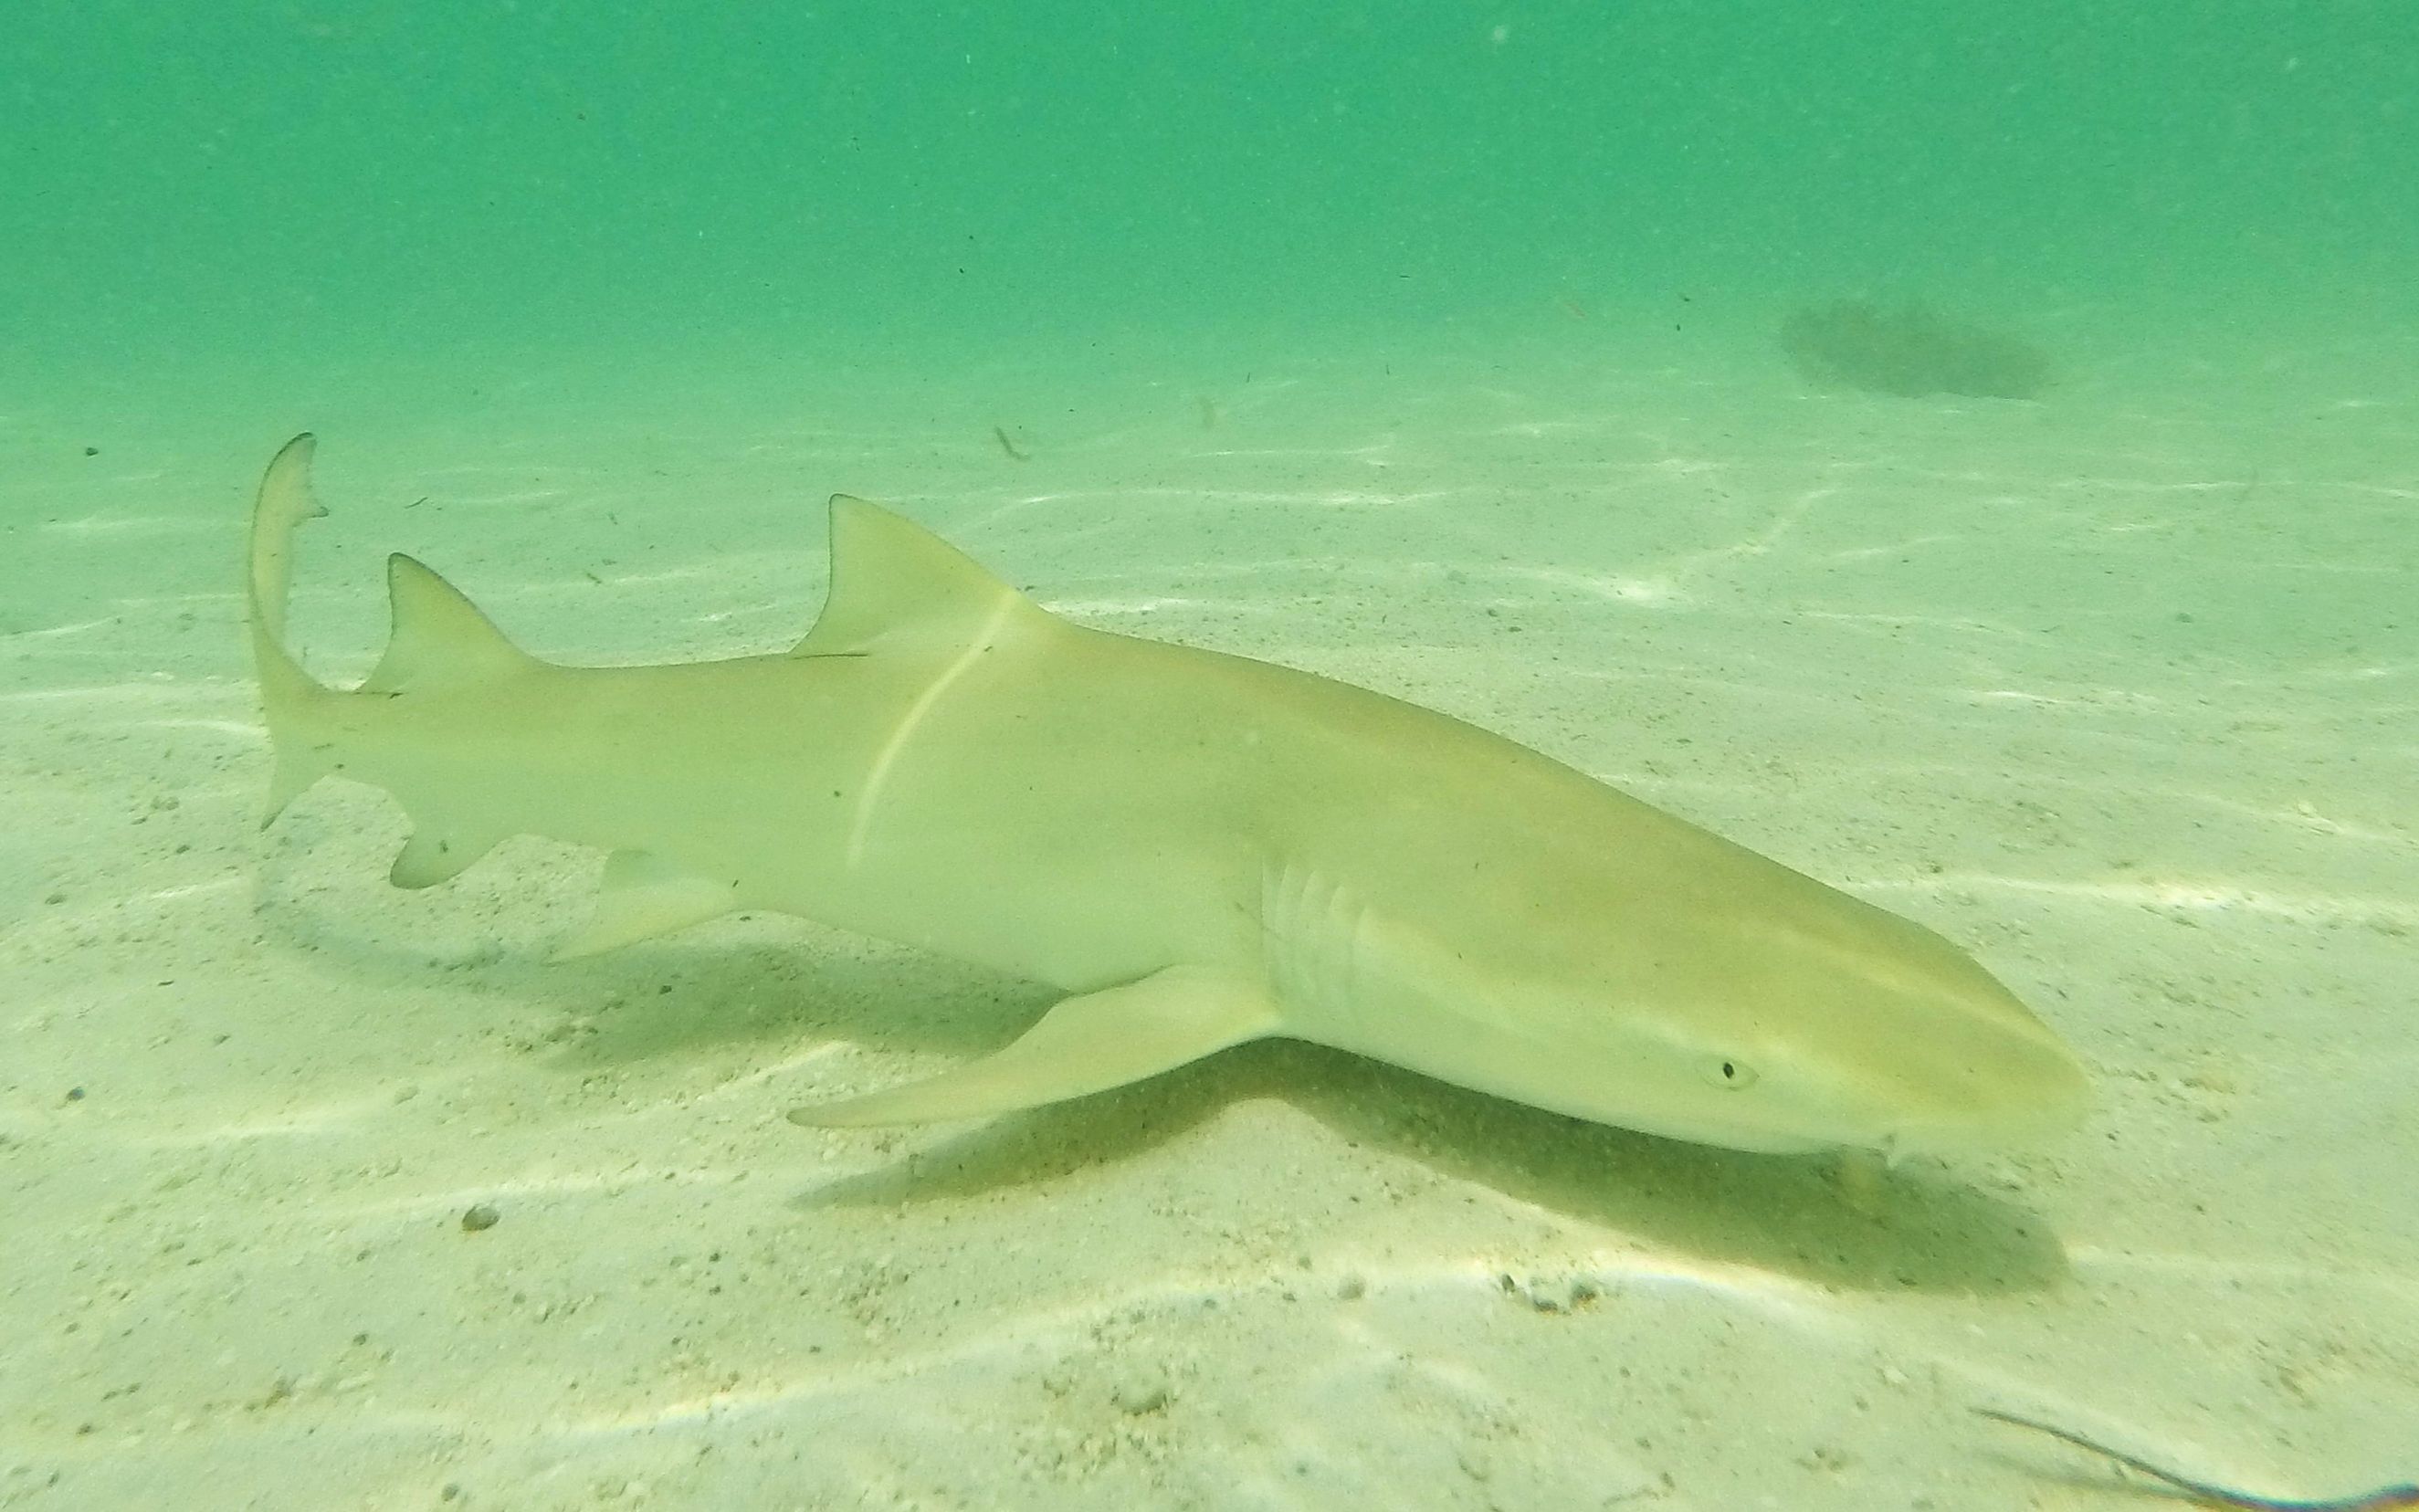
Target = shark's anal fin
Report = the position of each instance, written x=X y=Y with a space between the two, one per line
x=644 y=896
x=1085 y=1044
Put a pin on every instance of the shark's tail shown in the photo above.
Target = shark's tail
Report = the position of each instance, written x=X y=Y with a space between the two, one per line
x=289 y=696
x=439 y=641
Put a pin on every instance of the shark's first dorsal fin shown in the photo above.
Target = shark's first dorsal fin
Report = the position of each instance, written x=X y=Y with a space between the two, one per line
x=893 y=581
x=439 y=641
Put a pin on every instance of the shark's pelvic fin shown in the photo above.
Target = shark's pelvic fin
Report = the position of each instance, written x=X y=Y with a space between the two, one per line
x=440 y=640
x=645 y=896
x=1085 y=1044
x=432 y=855
x=894 y=582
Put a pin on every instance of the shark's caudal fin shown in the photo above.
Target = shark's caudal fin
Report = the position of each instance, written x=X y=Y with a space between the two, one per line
x=288 y=693
x=439 y=642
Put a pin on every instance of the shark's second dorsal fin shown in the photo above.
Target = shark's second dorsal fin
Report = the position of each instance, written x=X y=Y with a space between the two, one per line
x=893 y=581
x=439 y=641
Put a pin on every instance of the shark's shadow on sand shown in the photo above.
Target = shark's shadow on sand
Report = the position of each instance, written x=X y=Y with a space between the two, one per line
x=755 y=982
x=1913 y=1231
x=1916 y=1228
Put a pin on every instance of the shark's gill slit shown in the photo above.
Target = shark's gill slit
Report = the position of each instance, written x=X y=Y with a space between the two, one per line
x=1316 y=938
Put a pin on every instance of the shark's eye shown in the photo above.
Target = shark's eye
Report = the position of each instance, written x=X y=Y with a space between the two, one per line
x=1730 y=1071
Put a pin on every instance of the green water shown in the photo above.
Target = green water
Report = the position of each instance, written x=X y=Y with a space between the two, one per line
x=1436 y=347
x=197 y=190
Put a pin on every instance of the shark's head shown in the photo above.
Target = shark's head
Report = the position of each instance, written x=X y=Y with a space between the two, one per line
x=1886 y=1055
x=1855 y=1029
x=1835 y=1026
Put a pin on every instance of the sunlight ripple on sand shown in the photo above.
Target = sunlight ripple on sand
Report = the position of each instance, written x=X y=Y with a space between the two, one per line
x=2211 y=896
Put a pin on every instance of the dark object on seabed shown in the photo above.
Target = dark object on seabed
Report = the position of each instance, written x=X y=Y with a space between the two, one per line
x=2207 y=1493
x=1910 y=352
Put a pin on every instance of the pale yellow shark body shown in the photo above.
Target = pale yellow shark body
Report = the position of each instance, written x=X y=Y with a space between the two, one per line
x=1199 y=849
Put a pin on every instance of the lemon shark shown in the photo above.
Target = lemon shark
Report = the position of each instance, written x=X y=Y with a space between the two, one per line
x=1199 y=849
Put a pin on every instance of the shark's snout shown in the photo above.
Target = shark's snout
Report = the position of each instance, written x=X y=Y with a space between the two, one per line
x=2000 y=1092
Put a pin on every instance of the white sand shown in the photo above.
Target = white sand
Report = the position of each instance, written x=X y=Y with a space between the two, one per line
x=2119 y=690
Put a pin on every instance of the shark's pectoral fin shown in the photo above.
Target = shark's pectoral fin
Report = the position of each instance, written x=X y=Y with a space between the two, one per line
x=1084 y=1044
x=645 y=896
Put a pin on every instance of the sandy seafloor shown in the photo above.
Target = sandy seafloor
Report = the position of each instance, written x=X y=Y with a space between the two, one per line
x=2119 y=690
